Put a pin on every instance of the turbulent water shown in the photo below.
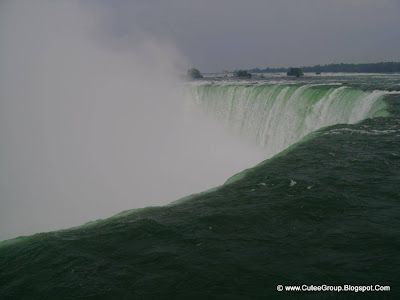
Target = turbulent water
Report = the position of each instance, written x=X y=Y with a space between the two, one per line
x=324 y=211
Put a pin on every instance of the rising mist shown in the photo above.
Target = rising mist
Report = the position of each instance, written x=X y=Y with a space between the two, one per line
x=92 y=124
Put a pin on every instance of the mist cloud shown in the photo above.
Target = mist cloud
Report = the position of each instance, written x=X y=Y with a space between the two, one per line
x=92 y=124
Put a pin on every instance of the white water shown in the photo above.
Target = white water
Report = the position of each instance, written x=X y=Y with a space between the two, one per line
x=276 y=116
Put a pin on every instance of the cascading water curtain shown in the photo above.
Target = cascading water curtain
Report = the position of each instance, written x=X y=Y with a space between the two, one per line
x=276 y=116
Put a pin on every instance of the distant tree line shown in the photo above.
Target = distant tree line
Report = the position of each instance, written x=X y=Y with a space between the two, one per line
x=242 y=74
x=382 y=67
x=297 y=72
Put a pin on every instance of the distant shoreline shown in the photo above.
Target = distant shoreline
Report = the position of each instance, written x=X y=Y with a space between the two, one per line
x=379 y=68
x=306 y=74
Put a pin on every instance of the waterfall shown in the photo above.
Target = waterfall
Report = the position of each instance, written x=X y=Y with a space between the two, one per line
x=278 y=115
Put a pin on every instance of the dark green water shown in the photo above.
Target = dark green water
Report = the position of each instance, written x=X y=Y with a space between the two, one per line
x=339 y=224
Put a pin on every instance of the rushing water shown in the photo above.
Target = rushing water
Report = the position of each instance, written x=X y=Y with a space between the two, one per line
x=277 y=116
x=324 y=211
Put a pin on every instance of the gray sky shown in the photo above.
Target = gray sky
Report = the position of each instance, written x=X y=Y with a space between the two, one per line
x=228 y=34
